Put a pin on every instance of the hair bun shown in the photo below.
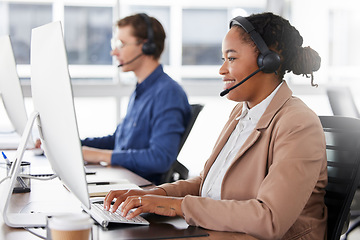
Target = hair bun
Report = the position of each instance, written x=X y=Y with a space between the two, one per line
x=307 y=62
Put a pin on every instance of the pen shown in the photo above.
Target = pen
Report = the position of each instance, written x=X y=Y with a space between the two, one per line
x=6 y=159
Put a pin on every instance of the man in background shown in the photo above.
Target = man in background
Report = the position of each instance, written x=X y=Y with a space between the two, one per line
x=147 y=140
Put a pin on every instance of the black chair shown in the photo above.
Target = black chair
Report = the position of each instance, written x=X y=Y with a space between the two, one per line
x=177 y=170
x=342 y=102
x=343 y=158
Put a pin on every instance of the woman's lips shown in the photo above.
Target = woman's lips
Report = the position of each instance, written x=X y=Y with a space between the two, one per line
x=228 y=83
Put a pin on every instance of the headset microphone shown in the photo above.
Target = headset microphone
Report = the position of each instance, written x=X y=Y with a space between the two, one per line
x=226 y=91
x=126 y=63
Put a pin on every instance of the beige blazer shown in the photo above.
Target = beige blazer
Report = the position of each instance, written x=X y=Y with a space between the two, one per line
x=274 y=189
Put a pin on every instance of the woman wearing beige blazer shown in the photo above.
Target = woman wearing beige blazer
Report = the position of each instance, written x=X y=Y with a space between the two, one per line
x=267 y=172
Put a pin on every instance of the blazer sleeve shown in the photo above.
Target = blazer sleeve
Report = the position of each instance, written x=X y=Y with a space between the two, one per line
x=182 y=188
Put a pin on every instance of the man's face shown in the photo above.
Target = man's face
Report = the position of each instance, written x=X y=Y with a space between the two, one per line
x=126 y=48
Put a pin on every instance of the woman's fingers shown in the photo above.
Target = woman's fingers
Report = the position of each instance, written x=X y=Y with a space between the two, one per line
x=111 y=196
x=120 y=196
x=166 y=206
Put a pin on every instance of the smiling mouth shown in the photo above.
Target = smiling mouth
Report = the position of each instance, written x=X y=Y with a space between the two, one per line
x=228 y=83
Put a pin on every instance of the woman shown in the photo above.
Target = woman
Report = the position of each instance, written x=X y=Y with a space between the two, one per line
x=267 y=172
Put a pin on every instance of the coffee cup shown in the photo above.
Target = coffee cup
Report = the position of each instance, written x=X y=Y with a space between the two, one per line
x=70 y=226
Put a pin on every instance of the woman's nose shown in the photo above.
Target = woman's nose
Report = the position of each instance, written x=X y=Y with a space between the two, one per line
x=223 y=69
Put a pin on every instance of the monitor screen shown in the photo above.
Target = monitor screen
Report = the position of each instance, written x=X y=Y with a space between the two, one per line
x=10 y=92
x=54 y=115
x=53 y=100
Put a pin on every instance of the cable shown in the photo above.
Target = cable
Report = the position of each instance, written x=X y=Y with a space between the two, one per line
x=2 y=180
x=7 y=132
x=41 y=177
x=3 y=165
x=35 y=177
x=34 y=233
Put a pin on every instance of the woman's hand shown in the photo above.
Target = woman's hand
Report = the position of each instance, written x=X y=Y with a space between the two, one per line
x=122 y=195
x=161 y=205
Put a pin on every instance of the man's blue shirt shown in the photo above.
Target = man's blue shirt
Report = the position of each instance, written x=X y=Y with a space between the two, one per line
x=147 y=140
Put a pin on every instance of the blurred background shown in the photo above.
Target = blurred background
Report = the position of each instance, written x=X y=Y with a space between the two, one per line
x=195 y=29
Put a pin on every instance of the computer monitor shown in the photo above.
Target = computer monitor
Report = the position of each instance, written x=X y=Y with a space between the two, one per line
x=54 y=113
x=11 y=95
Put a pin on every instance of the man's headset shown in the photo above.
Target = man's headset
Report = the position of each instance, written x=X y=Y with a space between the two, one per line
x=149 y=47
x=268 y=61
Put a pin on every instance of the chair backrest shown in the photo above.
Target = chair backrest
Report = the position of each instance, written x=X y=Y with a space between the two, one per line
x=177 y=170
x=343 y=158
x=195 y=110
x=342 y=102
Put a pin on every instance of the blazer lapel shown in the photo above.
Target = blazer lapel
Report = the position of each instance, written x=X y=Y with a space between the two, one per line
x=280 y=98
x=283 y=94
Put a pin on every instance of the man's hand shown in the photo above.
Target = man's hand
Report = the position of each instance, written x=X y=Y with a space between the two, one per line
x=94 y=155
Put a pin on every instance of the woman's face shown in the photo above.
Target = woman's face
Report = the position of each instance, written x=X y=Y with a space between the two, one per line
x=240 y=60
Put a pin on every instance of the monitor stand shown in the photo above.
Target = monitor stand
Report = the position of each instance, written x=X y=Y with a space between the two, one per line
x=33 y=214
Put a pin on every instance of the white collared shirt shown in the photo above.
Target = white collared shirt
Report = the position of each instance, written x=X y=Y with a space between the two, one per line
x=247 y=122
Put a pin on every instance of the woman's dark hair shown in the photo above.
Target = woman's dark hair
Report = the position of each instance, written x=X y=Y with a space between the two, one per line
x=140 y=31
x=281 y=37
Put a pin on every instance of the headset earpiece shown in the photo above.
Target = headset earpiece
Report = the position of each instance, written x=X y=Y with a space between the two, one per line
x=268 y=61
x=149 y=47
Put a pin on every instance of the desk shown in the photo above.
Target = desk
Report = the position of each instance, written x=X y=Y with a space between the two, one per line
x=9 y=140
x=42 y=196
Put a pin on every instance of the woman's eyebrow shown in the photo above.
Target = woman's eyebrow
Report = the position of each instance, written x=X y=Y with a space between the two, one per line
x=230 y=51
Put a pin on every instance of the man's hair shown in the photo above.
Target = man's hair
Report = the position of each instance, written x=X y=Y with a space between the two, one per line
x=140 y=31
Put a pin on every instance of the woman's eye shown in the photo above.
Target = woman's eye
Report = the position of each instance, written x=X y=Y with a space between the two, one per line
x=230 y=59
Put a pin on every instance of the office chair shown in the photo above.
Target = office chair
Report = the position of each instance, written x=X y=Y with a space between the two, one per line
x=342 y=102
x=177 y=170
x=343 y=159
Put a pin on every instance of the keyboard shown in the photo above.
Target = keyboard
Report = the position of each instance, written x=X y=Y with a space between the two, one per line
x=104 y=217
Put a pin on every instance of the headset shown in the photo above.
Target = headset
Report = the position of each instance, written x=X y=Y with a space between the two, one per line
x=268 y=61
x=149 y=47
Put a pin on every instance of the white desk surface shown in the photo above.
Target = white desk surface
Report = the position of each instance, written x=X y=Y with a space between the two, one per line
x=9 y=140
x=45 y=194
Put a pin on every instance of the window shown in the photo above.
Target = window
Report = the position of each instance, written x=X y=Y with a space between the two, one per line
x=88 y=31
x=344 y=37
x=203 y=31
x=22 y=19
